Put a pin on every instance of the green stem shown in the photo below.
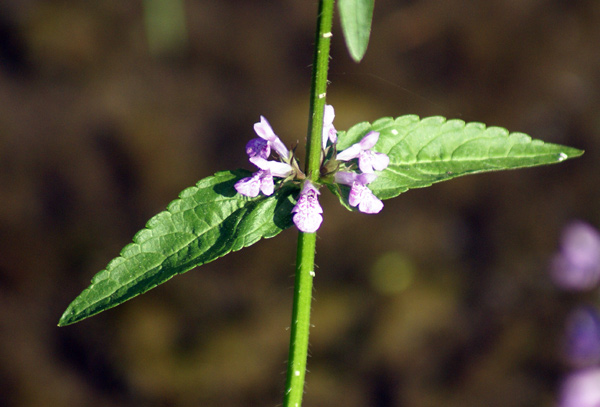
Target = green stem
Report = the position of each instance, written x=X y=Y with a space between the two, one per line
x=300 y=325
x=318 y=89
x=305 y=259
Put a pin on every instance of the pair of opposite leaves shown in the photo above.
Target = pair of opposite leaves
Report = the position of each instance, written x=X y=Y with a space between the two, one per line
x=211 y=219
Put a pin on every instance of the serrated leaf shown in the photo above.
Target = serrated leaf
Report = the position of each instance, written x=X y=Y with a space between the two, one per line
x=208 y=221
x=356 y=17
x=425 y=151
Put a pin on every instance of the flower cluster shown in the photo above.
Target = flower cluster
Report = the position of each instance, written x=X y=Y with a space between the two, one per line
x=259 y=150
x=336 y=168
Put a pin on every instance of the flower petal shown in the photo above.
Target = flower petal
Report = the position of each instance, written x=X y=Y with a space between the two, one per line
x=277 y=169
x=365 y=179
x=265 y=131
x=346 y=178
x=380 y=161
x=360 y=149
x=249 y=186
x=348 y=154
x=369 y=161
x=307 y=211
x=349 y=178
x=328 y=115
x=369 y=140
x=329 y=132
x=307 y=222
x=356 y=194
x=267 y=186
x=365 y=162
x=362 y=197
x=370 y=204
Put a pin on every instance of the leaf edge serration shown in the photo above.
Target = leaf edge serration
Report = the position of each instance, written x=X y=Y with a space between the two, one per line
x=405 y=125
x=118 y=292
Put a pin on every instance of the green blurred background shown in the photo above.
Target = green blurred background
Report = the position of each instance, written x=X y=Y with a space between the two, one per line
x=108 y=109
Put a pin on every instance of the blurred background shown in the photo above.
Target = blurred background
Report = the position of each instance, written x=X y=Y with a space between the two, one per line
x=109 y=109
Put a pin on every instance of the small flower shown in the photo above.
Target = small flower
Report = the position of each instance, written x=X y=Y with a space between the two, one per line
x=577 y=265
x=260 y=181
x=329 y=132
x=307 y=211
x=264 y=131
x=368 y=161
x=360 y=195
x=258 y=150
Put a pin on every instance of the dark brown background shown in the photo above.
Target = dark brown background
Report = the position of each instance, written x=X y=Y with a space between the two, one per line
x=442 y=299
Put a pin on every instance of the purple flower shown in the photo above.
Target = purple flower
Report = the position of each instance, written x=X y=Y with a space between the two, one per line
x=307 y=211
x=581 y=389
x=262 y=180
x=577 y=265
x=368 y=161
x=360 y=195
x=329 y=132
x=582 y=337
x=264 y=131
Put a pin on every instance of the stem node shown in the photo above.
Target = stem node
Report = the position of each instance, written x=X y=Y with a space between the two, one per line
x=305 y=258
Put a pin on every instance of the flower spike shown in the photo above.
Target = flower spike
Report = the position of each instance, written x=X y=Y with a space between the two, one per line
x=258 y=150
x=307 y=213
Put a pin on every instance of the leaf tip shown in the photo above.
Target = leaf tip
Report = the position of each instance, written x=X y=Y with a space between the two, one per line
x=356 y=17
x=66 y=318
x=357 y=54
x=72 y=314
x=570 y=153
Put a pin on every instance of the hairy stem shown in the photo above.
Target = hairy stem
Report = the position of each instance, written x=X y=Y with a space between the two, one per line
x=305 y=258
x=318 y=89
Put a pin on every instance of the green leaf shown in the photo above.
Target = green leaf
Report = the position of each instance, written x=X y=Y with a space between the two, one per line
x=208 y=221
x=425 y=151
x=356 y=17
